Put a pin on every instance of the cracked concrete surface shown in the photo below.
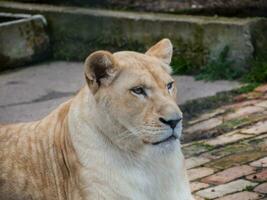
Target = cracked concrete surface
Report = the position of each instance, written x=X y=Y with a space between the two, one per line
x=31 y=93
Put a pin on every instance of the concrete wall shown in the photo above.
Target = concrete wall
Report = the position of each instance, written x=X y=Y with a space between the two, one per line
x=75 y=32
x=206 y=7
x=23 y=39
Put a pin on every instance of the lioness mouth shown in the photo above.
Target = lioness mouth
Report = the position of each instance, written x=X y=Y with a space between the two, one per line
x=172 y=137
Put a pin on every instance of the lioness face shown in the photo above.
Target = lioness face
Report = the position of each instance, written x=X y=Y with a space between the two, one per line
x=137 y=96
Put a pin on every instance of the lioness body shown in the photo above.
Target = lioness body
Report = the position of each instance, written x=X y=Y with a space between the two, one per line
x=37 y=160
x=102 y=143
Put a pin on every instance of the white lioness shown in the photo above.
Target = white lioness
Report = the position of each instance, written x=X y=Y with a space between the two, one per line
x=117 y=139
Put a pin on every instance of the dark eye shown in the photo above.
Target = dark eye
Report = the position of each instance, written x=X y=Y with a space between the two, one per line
x=170 y=85
x=139 y=91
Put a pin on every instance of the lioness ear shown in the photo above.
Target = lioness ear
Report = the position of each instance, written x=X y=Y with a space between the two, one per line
x=162 y=50
x=100 y=69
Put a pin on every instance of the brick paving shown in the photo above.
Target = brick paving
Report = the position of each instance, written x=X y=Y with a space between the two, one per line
x=195 y=186
x=262 y=188
x=242 y=196
x=260 y=163
x=233 y=164
x=200 y=172
x=259 y=177
x=228 y=175
x=225 y=189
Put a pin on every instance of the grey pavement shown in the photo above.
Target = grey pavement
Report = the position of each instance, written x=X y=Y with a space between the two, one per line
x=31 y=93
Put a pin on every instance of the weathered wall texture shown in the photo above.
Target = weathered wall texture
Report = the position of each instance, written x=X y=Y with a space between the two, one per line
x=205 y=7
x=75 y=32
x=23 y=39
x=229 y=7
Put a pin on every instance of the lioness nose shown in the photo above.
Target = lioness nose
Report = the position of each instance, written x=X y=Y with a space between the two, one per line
x=172 y=123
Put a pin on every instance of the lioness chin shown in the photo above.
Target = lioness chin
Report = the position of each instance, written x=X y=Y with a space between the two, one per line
x=117 y=139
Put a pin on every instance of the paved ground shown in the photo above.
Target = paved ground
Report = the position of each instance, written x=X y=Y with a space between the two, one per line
x=31 y=93
x=232 y=165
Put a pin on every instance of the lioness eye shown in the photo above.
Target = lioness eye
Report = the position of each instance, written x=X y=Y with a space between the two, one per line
x=170 y=85
x=139 y=91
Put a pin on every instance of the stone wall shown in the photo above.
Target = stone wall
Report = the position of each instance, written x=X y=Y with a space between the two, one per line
x=230 y=7
x=23 y=40
x=76 y=32
x=203 y=7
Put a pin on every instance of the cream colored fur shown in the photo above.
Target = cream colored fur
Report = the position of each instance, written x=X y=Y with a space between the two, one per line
x=101 y=144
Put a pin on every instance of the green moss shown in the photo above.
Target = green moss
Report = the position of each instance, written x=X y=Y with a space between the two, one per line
x=181 y=65
x=66 y=48
x=234 y=159
x=191 y=58
x=196 y=148
x=249 y=188
x=256 y=142
x=220 y=68
x=189 y=55
x=207 y=146
x=258 y=71
x=233 y=124
x=4 y=60
x=194 y=60
x=230 y=149
x=195 y=108
x=248 y=88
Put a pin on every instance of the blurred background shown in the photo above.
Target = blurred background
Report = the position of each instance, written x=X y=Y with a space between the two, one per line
x=219 y=47
x=219 y=64
x=205 y=7
x=201 y=31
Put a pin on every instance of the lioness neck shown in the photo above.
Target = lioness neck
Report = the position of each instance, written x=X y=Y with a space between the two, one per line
x=111 y=173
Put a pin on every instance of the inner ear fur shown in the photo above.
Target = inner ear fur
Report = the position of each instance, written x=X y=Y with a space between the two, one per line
x=100 y=68
x=163 y=50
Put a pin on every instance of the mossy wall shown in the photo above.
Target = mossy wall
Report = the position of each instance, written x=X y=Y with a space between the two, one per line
x=76 y=32
x=242 y=8
x=23 y=40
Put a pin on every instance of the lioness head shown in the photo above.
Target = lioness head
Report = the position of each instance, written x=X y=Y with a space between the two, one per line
x=135 y=97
